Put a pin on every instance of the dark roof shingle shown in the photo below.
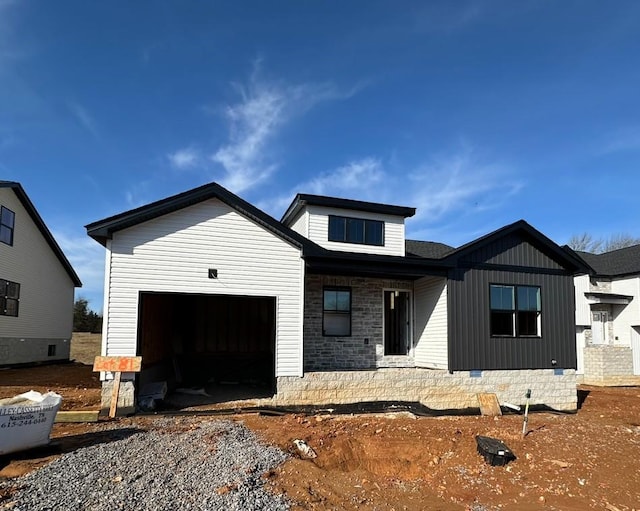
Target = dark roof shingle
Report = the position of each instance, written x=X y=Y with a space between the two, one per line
x=427 y=249
x=617 y=263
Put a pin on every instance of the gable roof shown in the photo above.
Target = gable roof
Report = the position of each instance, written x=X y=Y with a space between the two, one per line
x=566 y=258
x=46 y=234
x=304 y=199
x=617 y=263
x=422 y=257
x=102 y=230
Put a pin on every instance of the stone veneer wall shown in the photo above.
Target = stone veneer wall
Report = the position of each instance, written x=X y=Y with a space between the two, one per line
x=609 y=365
x=365 y=348
x=436 y=389
x=600 y=285
x=126 y=398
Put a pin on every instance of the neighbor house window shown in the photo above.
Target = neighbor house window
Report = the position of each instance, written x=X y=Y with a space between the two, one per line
x=515 y=311
x=7 y=220
x=336 y=312
x=356 y=230
x=9 y=298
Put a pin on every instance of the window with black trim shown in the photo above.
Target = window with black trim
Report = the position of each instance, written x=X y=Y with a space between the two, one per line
x=336 y=312
x=515 y=311
x=9 y=298
x=7 y=222
x=356 y=230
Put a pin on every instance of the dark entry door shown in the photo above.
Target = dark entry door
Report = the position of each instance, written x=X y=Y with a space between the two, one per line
x=396 y=323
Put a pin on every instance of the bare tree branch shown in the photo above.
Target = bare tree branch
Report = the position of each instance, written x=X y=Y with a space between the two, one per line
x=585 y=242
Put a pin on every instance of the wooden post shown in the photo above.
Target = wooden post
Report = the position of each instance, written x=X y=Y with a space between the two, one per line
x=114 y=394
x=117 y=365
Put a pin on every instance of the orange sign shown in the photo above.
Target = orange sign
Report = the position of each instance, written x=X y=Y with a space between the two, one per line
x=122 y=364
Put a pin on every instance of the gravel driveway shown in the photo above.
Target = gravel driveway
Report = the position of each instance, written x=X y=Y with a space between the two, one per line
x=176 y=464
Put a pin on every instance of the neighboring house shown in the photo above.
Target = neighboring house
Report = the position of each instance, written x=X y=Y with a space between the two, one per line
x=608 y=318
x=36 y=284
x=332 y=305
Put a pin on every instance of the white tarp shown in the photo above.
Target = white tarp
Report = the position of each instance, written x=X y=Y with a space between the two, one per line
x=26 y=420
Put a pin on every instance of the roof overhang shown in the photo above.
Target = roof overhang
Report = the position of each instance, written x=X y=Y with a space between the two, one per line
x=564 y=256
x=103 y=230
x=42 y=227
x=303 y=200
x=374 y=266
x=607 y=298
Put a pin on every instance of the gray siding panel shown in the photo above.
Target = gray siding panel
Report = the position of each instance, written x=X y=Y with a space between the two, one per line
x=514 y=251
x=471 y=345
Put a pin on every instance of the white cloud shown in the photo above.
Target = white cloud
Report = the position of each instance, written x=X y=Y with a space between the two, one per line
x=624 y=140
x=185 y=158
x=435 y=18
x=139 y=193
x=459 y=182
x=248 y=157
x=254 y=122
x=83 y=117
x=360 y=177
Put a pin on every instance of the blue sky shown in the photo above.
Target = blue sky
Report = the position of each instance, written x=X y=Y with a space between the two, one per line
x=476 y=113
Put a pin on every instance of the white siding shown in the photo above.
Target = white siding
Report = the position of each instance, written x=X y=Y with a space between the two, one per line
x=635 y=347
x=301 y=224
x=580 y=344
x=629 y=286
x=583 y=311
x=319 y=231
x=173 y=254
x=430 y=298
x=626 y=316
x=46 y=290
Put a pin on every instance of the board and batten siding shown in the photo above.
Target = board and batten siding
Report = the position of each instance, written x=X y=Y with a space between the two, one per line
x=626 y=316
x=514 y=259
x=46 y=289
x=583 y=311
x=430 y=304
x=318 y=224
x=471 y=344
x=513 y=250
x=173 y=253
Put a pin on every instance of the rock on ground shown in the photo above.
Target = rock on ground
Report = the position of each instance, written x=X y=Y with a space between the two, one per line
x=187 y=464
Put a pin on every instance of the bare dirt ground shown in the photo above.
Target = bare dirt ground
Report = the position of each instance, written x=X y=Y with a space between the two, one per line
x=85 y=347
x=75 y=381
x=589 y=460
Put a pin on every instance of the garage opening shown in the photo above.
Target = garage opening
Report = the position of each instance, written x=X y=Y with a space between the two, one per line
x=216 y=348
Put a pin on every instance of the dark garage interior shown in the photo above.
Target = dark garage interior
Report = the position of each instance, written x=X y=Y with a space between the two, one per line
x=219 y=347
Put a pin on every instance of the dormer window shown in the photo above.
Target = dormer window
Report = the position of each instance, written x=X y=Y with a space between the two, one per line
x=356 y=230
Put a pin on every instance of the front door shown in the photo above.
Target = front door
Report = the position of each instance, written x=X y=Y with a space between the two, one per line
x=599 y=328
x=397 y=323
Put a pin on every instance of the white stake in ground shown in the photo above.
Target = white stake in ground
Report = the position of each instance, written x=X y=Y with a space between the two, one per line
x=526 y=414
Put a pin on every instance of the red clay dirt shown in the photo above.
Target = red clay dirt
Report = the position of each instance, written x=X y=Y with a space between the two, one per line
x=590 y=460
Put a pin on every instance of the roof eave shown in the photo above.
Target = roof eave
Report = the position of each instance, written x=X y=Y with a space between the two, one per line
x=373 y=265
x=102 y=230
x=44 y=230
x=569 y=259
x=302 y=200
